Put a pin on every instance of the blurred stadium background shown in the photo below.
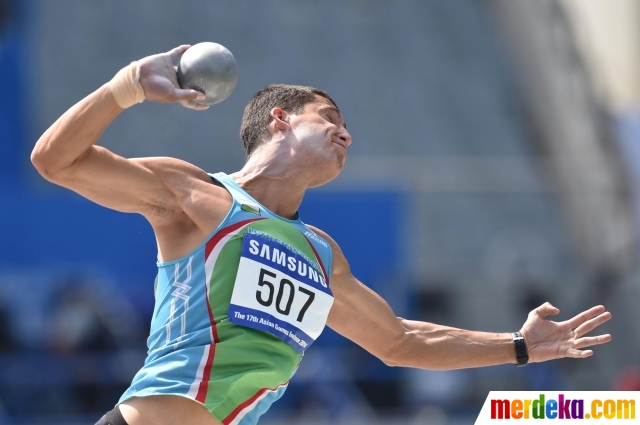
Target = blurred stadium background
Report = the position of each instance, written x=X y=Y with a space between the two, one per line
x=496 y=145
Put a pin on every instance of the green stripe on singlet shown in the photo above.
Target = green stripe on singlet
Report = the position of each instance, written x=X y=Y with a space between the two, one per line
x=250 y=208
x=247 y=360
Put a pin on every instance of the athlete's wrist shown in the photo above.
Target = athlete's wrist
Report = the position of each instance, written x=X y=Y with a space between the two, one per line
x=125 y=86
x=520 y=348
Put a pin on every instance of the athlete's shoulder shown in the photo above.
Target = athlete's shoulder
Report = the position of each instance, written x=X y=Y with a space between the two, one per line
x=340 y=264
x=324 y=235
x=194 y=196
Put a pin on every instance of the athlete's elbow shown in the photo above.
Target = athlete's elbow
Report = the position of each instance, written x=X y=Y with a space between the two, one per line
x=39 y=161
x=396 y=353
x=47 y=164
x=391 y=362
x=43 y=165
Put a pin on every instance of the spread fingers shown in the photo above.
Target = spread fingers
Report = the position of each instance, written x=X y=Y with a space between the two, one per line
x=591 y=324
x=586 y=315
x=592 y=340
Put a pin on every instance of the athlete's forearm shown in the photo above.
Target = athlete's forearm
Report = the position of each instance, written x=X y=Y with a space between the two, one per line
x=74 y=133
x=431 y=346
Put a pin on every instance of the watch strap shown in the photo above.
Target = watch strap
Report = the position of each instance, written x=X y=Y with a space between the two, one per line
x=522 y=356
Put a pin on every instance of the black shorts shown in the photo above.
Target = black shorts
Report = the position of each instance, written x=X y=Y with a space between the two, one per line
x=113 y=417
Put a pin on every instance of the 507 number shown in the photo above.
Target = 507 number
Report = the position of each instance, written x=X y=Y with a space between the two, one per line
x=267 y=299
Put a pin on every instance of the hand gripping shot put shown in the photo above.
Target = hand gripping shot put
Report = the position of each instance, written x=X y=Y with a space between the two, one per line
x=244 y=286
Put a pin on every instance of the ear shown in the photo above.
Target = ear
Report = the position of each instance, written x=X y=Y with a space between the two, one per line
x=280 y=119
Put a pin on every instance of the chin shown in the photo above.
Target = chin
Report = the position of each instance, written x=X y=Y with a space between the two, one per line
x=326 y=176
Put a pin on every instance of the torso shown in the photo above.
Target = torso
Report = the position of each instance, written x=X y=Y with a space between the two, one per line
x=197 y=356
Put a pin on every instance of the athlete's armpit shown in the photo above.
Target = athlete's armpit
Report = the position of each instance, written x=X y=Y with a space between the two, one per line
x=162 y=211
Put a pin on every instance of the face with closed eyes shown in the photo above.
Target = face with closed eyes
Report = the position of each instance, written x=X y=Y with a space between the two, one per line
x=320 y=139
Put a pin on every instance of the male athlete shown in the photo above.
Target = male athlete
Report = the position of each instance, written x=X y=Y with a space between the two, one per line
x=244 y=287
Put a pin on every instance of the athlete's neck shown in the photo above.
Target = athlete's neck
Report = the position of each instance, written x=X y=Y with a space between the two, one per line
x=275 y=179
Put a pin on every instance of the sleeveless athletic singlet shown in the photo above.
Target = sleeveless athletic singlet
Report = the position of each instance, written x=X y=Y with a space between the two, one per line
x=232 y=318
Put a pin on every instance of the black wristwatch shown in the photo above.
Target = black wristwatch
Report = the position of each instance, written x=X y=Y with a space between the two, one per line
x=521 y=348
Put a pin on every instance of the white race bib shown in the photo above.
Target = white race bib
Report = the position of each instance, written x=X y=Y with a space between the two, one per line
x=278 y=291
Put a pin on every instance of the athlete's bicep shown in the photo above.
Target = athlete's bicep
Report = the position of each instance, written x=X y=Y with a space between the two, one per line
x=142 y=185
x=358 y=313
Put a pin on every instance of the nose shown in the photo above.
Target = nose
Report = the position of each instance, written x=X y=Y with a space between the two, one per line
x=344 y=135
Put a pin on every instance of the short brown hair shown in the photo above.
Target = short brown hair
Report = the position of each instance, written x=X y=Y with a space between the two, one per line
x=257 y=114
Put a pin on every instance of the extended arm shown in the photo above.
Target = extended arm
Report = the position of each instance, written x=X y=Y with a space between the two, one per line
x=364 y=317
